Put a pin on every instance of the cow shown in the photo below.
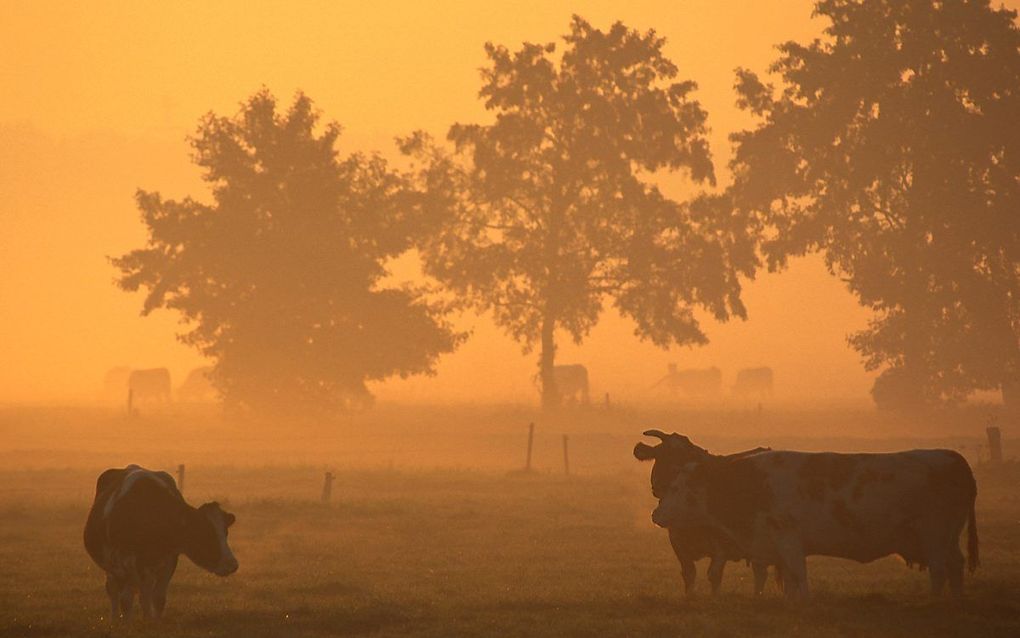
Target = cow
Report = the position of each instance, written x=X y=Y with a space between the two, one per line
x=692 y=382
x=137 y=528
x=779 y=507
x=152 y=384
x=754 y=382
x=572 y=383
x=691 y=543
x=198 y=387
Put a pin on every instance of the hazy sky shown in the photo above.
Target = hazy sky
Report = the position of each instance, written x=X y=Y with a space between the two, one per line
x=98 y=97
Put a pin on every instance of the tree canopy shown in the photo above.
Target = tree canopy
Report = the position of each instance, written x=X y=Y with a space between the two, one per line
x=891 y=145
x=552 y=209
x=281 y=278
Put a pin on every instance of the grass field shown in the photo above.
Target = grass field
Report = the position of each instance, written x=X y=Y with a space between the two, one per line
x=408 y=550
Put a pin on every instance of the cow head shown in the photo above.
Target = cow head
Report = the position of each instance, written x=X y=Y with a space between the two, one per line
x=670 y=455
x=206 y=539
x=685 y=502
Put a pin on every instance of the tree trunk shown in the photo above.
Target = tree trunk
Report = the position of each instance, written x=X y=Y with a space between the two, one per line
x=550 y=393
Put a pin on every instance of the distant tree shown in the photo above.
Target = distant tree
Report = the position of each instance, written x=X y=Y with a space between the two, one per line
x=280 y=278
x=551 y=210
x=893 y=147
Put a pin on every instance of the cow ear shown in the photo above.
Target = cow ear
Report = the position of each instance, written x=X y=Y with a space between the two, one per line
x=644 y=452
x=231 y=519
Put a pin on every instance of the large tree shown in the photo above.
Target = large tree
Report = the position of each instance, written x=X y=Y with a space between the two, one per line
x=280 y=278
x=552 y=208
x=892 y=146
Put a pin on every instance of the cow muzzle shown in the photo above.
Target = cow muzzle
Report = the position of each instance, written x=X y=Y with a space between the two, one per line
x=661 y=516
x=226 y=567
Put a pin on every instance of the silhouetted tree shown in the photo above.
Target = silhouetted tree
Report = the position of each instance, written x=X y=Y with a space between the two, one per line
x=280 y=278
x=893 y=147
x=551 y=209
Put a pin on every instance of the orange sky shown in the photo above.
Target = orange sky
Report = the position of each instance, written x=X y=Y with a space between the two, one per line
x=97 y=98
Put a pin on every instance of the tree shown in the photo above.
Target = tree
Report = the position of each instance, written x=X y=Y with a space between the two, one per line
x=892 y=147
x=280 y=278
x=552 y=209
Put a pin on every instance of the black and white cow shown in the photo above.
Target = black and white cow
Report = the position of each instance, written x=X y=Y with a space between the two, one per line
x=691 y=543
x=138 y=527
x=780 y=507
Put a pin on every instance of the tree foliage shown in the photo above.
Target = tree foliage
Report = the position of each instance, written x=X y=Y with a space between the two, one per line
x=280 y=279
x=552 y=209
x=892 y=146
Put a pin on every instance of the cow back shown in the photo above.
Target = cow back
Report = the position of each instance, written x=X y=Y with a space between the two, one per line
x=136 y=511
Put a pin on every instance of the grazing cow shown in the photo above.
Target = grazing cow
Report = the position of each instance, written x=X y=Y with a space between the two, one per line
x=572 y=383
x=137 y=528
x=780 y=507
x=691 y=543
x=754 y=382
x=152 y=384
x=692 y=382
x=198 y=387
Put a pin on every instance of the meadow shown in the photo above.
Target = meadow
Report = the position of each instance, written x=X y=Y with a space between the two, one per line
x=437 y=532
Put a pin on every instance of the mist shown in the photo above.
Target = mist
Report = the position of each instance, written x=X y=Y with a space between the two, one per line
x=510 y=318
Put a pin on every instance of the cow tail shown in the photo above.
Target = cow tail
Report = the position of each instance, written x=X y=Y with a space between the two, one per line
x=972 y=541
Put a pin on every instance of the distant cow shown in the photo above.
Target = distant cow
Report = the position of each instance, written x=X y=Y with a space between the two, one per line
x=572 y=383
x=780 y=507
x=152 y=384
x=754 y=382
x=692 y=543
x=692 y=382
x=198 y=386
x=138 y=527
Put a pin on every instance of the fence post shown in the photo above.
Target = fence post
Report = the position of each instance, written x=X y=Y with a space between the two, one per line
x=327 y=487
x=994 y=443
x=180 y=478
x=566 y=455
x=531 y=438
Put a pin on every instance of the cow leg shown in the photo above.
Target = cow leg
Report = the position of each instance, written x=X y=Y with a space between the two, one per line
x=936 y=557
x=794 y=577
x=162 y=582
x=715 y=572
x=761 y=574
x=113 y=589
x=690 y=574
x=146 y=583
x=955 y=570
x=687 y=567
x=794 y=566
x=937 y=574
x=127 y=599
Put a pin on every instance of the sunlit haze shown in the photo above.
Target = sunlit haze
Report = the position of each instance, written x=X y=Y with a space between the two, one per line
x=102 y=95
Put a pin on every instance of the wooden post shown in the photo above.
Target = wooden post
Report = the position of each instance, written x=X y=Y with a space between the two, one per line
x=180 y=478
x=994 y=443
x=531 y=438
x=327 y=487
x=130 y=401
x=566 y=455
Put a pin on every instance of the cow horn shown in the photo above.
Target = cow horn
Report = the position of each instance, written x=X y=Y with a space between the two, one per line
x=659 y=434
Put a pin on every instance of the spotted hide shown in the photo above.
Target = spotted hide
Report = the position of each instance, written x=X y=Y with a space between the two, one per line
x=780 y=507
x=691 y=543
x=137 y=528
